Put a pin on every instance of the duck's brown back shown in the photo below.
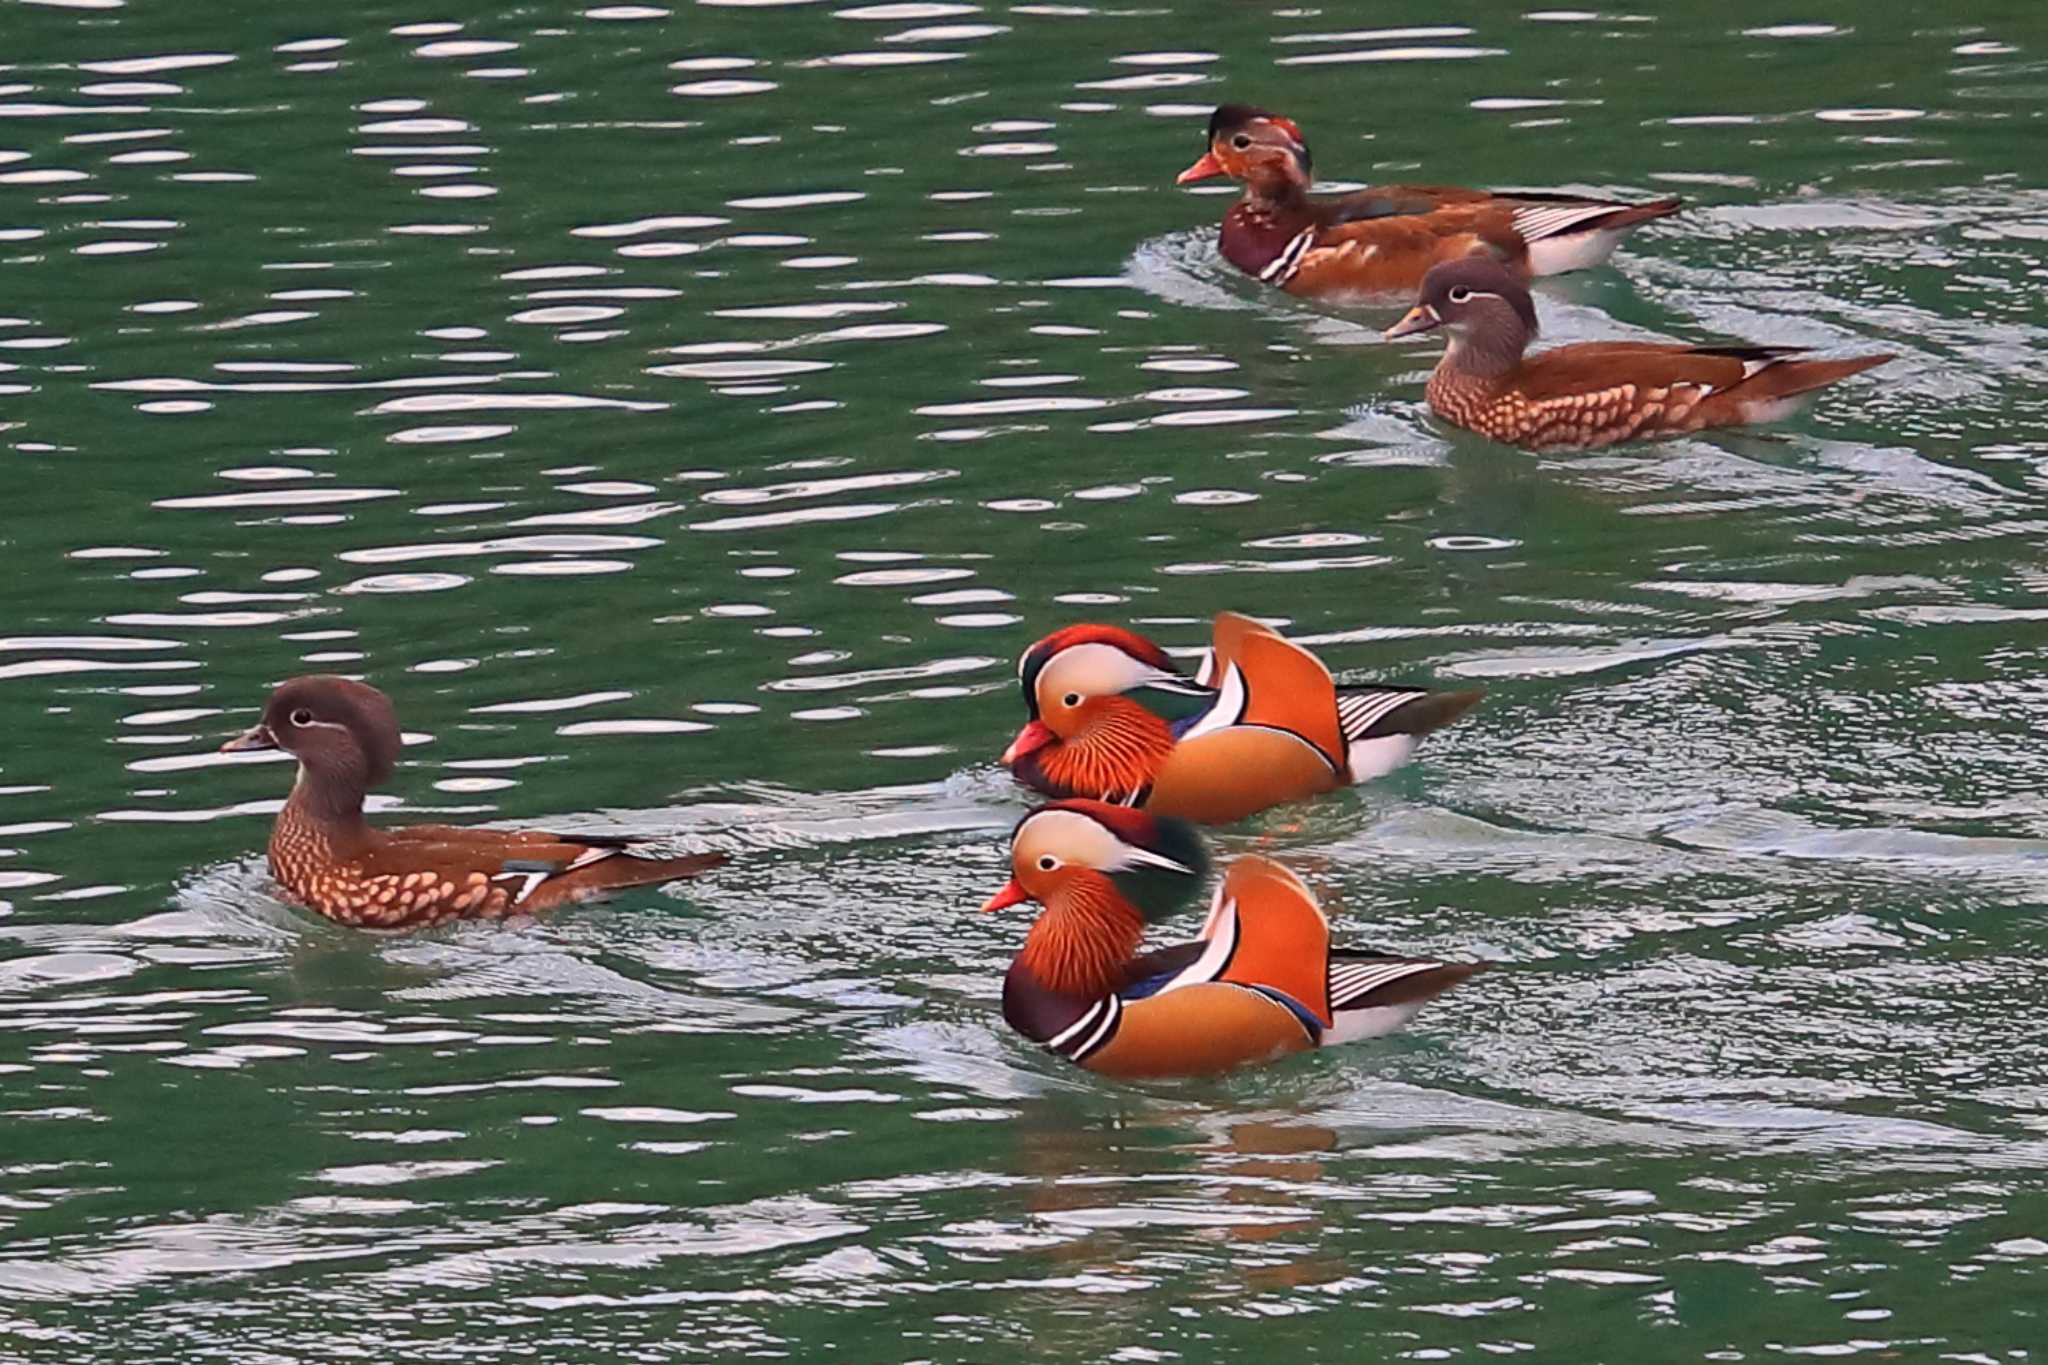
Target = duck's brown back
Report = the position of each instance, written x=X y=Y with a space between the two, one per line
x=409 y=878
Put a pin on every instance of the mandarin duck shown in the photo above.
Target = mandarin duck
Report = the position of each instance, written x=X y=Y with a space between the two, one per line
x=329 y=859
x=1262 y=722
x=1262 y=981
x=1381 y=240
x=1596 y=393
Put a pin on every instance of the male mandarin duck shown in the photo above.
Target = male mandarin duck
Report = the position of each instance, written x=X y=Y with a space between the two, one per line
x=1262 y=981
x=328 y=858
x=1262 y=723
x=1592 y=394
x=1382 y=240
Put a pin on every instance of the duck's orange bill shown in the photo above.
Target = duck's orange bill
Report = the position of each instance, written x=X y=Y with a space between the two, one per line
x=1420 y=318
x=1207 y=168
x=1029 y=740
x=1011 y=894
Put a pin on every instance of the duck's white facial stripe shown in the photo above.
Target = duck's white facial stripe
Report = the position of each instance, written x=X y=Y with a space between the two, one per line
x=1133 y=856
x=1076 y=839
x=1098 y=670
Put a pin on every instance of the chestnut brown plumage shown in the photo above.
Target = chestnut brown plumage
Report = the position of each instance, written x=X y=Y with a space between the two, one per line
x=1262 y=981
x=1381 y=240
x=327 y=857
x=1592 y=394
x=1112 y=718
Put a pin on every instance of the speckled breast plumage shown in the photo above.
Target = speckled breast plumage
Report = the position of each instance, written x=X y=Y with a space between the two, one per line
x=306 y=863
x=1580 y=421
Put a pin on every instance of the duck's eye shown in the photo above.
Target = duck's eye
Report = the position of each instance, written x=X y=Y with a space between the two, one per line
x=1461 y=295
x=302 y=717
x=1071 y=699
x=1046 y=862
x=1242 y=142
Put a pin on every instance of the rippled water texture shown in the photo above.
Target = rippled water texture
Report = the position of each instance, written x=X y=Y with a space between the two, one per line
x=688 y=411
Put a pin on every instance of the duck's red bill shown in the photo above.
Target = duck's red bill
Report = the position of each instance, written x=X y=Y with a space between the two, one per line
x=1207 y=168
x=1011 y=894
x=1029 y=740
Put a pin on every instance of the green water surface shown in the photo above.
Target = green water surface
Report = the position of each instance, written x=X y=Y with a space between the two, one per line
x=688 y=411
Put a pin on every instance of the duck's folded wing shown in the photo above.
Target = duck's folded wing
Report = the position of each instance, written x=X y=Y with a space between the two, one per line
x=484 y=836
x=1586 y=371
x=1265 y=932
x=1538 y=217
x=533 y=870
x=1395 y=201
x=1148 y=973
x=1227 y=634
x=1266 y=681
x=1410 y=233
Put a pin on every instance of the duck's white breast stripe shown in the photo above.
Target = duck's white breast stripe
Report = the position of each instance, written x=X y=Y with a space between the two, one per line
x=1110 y=1016
x=1281 y=268
x=1066 y=1035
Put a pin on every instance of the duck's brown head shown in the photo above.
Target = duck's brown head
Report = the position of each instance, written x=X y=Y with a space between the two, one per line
x=340 y=730
x=1476 y=299
x=1260 y=148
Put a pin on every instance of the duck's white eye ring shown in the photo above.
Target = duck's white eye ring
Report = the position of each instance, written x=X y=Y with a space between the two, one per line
x=1046 y=862
x=1071 y=699
x=1461 y=295
x=302 y=717
x=1241 y=142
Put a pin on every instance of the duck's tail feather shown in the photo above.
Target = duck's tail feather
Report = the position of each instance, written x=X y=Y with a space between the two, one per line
x=1372 y=994
x=1382 y=725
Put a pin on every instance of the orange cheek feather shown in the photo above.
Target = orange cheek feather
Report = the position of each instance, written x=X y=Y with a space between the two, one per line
x=1113 y=747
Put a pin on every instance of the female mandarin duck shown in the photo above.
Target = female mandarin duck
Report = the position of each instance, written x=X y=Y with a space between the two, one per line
x=1383 y=239
x=1593 y=394
x=1262 y=723
x=1262 y=981
x=328 y=858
